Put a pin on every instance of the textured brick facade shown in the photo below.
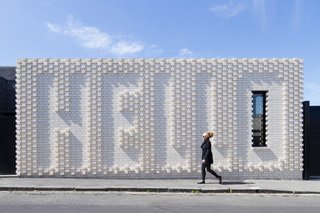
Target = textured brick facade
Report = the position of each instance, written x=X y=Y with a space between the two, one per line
x=144 y=118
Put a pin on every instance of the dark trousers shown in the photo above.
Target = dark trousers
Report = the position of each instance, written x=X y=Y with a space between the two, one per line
x=208 y=167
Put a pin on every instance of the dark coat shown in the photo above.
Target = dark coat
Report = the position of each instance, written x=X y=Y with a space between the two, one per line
x=206 y=151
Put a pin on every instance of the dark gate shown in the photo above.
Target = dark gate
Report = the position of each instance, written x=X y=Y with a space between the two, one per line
x=311 y=141
x=7 y=144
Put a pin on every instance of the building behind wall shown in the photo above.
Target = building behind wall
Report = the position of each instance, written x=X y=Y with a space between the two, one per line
x=144 y=118
x=7 y=89
x=7 y=121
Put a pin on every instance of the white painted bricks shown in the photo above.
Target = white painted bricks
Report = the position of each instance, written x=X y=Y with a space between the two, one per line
x=144 y=118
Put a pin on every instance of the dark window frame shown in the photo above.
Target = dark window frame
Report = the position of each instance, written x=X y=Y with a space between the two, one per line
x=262 y=142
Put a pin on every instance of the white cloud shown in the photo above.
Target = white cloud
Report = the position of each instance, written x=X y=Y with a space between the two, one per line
x=228 y=9
x=125 y=47
x=53 y=28
x=232 y=8
x=88 y=37
x=297 y=13
x=259 y=9
x=154 y=49
x=93 y=38
x=185 y=52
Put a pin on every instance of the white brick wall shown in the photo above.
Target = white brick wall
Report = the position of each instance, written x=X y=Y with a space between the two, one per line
x=144 y=118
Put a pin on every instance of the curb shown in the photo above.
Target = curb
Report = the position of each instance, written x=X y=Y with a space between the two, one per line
x=157 y=190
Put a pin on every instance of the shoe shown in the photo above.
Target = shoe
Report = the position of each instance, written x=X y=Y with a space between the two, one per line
x=220 y=180
x=202 y=182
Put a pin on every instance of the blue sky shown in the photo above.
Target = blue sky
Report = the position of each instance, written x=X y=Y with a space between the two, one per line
x=164 y=29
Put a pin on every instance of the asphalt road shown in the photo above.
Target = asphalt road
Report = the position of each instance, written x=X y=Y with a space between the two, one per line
x=78 y=202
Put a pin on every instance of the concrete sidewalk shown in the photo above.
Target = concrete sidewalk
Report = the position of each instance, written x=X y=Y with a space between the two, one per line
x=159 y=185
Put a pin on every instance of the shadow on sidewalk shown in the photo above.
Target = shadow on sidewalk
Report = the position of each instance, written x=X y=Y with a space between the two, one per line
x=231 y=183
x=235 y=183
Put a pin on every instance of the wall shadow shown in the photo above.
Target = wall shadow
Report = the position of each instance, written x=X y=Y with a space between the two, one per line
x=75 y=146
x=44 y=136
x=74 y=118
x=161 y=112
x=244 y=132
x=110 y=116
x=266 y=155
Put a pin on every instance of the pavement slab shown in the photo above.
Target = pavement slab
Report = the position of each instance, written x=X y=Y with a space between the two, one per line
x=160 y=185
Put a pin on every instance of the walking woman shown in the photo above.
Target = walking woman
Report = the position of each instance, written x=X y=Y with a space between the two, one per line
x=207 y=159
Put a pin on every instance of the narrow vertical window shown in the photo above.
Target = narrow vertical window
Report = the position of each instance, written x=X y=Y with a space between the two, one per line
x=259 y=118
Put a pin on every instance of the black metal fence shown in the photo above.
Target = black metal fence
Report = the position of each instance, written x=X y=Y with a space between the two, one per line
x=311 y=141
x=7 y=144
